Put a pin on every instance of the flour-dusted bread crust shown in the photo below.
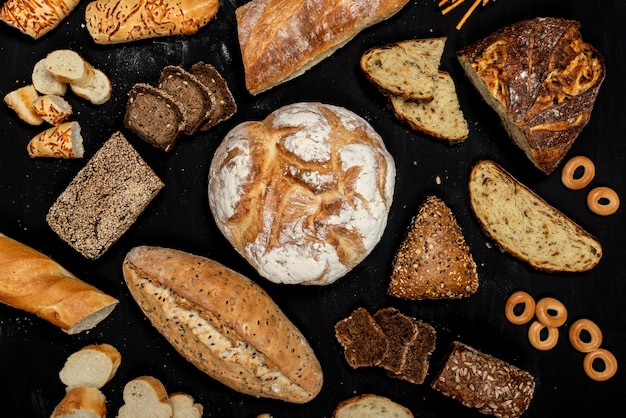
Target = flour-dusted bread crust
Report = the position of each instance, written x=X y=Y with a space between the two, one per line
x=304 y=194
x=92 y=366
x=35 y=283
x=35 y=18
x=117 y=21
x=223 y=323
x=541 y=79
x=371 y=406
x=526 y=226
x=433 y=260
x=81 y=402
x=281 y=40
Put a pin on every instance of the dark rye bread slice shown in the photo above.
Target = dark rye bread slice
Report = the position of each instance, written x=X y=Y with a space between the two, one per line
x=401 y=331
x=104 y=199
x=478 y=380
x=363 y=340
x=154 y=116
x=224 y=105
x=433 y=261
x=527 y=227
x=193 y=95
x=417 y=363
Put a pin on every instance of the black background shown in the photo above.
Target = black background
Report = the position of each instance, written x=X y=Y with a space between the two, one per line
x=32 y=351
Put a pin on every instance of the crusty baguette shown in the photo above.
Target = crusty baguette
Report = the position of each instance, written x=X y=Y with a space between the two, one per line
x=117 y=21
x=61 y=141
x=223 y=323
x=69 y=66
x=81 y=402
x=145 y=396
x=44 y=82
x=98 y=91
x=91 y=366
x=281 y=40
x=37 y=284
x=52 y=108
x=36 y=17
x=526 y=226
x=21 y=102
x=183 y=406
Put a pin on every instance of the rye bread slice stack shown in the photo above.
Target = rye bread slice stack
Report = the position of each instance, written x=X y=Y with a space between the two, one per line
x=183 y=103
x=433 y=261
x=421 y=95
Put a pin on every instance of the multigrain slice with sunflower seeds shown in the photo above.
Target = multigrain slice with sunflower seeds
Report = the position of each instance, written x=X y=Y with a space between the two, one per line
x=484 y=382
x=433 y=261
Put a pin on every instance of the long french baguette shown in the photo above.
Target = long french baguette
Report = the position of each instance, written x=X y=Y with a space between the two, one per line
x=223 y=323
x=33 y=282
x=117 y=21
x=36 y=17
x=526 y=226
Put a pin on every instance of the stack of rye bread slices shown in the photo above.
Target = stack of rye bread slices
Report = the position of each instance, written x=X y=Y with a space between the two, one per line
x=184 y=102
x=420 y=94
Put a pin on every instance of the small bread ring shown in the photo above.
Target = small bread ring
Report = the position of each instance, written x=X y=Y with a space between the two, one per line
x=594 y=332
x=544 y=310
x=534 y=336
x=520 y=298
x=596 y=197
x=610 y=364
x=569 y=170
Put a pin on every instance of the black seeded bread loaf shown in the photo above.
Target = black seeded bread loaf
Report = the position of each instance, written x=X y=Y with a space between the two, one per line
x=223 y=323
x=524 y=225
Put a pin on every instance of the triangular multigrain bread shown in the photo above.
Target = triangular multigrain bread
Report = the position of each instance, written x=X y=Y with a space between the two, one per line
x=433 y=261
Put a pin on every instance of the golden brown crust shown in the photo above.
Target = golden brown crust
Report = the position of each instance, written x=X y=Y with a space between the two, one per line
x=80 y=399
x=233 y=304
x=36 y=17
x=280 y=40
x=542 y=79
x=37 y=284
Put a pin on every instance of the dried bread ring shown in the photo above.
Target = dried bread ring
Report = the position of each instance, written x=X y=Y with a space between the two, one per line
x=603 y=201
x=610 y=364
x=594 y=333
x=543 y=344
x=520 y=298
x=569 y=171
x=551 y=312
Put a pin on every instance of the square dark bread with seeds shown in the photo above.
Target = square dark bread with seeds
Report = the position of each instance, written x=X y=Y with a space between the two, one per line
x=433 y=261
x=104 y=199
x=481 y=381
x=224 y=105
x=154 y=115
x=364 y=342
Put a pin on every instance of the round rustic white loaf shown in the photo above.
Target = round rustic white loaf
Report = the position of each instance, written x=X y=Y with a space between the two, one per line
x=304 y=194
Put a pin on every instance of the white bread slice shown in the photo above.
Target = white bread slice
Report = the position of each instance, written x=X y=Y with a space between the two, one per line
x=441 y=118
x=68 y=66
x=81 y=402
x=145 y=396
x=91 y=366
x=527 y=227
x=21 y=101
x=405 y=69
x=44 y=82
x=371 y=406
x=98 y=91
x=183 y=406
x=52 y=108
x=61 y=141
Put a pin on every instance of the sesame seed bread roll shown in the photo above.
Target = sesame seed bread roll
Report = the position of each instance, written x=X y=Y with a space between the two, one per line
x=223 y=323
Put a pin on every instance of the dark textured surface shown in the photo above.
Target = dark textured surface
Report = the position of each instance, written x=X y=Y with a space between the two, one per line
x=32 y=351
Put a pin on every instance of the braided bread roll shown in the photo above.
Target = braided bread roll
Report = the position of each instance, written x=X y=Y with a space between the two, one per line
x=304 y=194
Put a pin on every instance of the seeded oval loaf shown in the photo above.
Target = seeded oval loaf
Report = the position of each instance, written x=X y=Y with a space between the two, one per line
x=223 y=323
x=526 y=226
x=541 y=79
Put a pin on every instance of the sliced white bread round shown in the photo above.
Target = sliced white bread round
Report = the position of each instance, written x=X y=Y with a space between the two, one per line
x=98 y=91
x=81 y=402
x=371 y=406
x=21 y=102
x=44 y=82
x=91 y=366
x=61 y=141
x=52 y=108
x=183 y=406
x=68 y=66
x=145 y=396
